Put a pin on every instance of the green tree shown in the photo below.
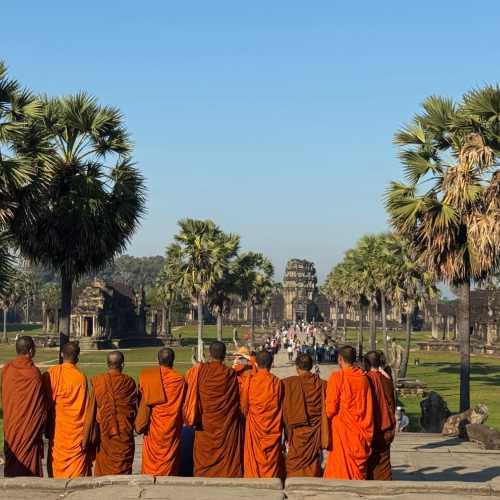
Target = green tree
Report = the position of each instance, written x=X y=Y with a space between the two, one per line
x=50 y=296
x=206 y=252
x=254 y=282
x=450 y=205
x=11 y=296
x=91 y=206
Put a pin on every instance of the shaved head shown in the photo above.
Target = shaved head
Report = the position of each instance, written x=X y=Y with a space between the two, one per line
x=218 y=351
x=115 y=360
x=25 y=346
x=348 y=354
x=166 y=357
x=304 y=362
x=264 y=360
x=71 y=351
x=372 y=359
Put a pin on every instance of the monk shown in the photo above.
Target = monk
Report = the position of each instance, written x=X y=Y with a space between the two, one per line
x=109 y=423
x=24 y=412
x=384 y=410
x=162 y=391
x=303 y=409
x=349 y=405
x=66 y=389
x=212 y=406
x=261 y=403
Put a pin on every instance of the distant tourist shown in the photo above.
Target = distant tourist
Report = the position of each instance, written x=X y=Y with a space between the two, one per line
x=403 y=421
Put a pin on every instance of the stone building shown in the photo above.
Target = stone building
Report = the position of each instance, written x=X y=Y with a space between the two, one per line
x=108 y=311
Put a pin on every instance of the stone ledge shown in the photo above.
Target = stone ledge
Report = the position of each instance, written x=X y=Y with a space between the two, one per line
x=100 y=481
x=257 y=484
x=32 y=483
x=374 y=488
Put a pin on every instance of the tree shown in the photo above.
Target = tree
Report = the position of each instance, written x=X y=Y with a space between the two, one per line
x=10 y=297
x=205 y=252
x=168 y=286
x=94 y=198
x=50 y=295
x=17 y=107
x=254 y=274
x=450 y=205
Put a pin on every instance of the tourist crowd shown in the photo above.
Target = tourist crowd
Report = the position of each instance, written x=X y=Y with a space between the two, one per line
x=217 y=421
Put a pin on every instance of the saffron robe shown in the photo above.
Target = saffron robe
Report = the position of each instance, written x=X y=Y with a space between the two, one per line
x=112 y=407
x=66 y=389
x=213 y=407
x=349 y=405
x=24 y=416
x=384 y=408
x=160 y=419
x=302 y=410
x=261 y=404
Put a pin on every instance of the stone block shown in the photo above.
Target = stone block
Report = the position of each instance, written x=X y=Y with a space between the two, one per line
x=171 y=492
x=455 y=425
x=33 y=483
x=99 y=482
x=485 y=436
x=256 y=484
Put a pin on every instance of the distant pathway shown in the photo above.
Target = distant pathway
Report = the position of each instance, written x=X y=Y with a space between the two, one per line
x=284 y=368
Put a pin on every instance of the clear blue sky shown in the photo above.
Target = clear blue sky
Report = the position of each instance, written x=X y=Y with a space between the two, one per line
x=273 y=118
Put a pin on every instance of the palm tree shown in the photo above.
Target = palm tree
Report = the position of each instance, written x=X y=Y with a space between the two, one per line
x=50 y=295
x=450 y=205
x=17 y=107
x=254 y=282
x=94 y=199
x=206 y=252
x=10 y=297
x=167 y=286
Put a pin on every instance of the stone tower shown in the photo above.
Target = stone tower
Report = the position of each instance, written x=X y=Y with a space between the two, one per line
x=299 y=290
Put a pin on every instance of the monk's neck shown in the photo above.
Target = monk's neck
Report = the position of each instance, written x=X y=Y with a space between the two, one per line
x=114 y=371
x=264 y=370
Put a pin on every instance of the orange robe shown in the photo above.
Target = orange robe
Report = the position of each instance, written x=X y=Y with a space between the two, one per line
x=261 y=400
x=112 y=407
x=66 y=390
x=302 y=411
x=349 y=405
x=384 y=407
x=212 y=406
x=24 y=415
x=160 y=418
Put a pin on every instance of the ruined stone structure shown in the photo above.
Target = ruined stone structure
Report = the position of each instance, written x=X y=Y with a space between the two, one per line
x=108 y=311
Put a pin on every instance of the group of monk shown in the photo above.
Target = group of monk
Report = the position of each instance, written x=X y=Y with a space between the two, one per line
x=246 y=421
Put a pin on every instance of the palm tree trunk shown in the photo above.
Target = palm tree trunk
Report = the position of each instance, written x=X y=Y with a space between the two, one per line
x=65 y=317
x=252 y=325
x=360 y=331
x=200 y=328
x=464 y=339
x=163 y=329
x=27 y=311
x=373 y=329
x=44 y=315
x=5 y=338
x=434 y=319
x=406 y=356
x=219 y=326
x=169 y=319
x=336 y=323
x=384 y=324
x=344 y=319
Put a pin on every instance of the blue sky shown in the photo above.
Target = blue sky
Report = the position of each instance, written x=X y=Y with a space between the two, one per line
x=275 y=119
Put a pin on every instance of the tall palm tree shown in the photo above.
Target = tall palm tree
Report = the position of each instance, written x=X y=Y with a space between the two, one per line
x=10 y=297
x=206 y=252
x=450 y=205
x=94 y=198
x=50 y=295
x=18 y=107
x=254 y=282
x=167 y=286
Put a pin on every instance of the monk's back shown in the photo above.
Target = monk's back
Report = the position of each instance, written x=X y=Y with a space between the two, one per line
x=67 y=388
x=24 y=416
x=217 y=445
